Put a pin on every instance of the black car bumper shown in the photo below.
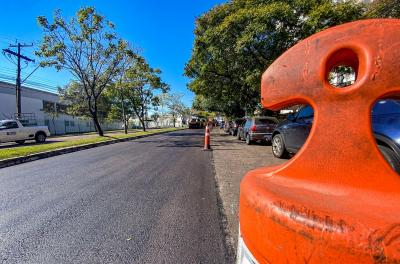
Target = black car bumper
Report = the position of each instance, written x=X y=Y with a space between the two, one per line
x=260 y=136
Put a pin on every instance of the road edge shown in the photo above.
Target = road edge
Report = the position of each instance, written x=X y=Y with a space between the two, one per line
x=229 y=241
x=47 y=154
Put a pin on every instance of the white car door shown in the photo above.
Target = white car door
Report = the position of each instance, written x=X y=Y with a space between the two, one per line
x=9 y=131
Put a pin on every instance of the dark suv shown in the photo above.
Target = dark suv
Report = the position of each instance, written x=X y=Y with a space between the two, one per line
x=290 y=135
x=258 y=129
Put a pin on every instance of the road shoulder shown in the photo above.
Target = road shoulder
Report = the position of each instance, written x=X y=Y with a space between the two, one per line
x=232 y=159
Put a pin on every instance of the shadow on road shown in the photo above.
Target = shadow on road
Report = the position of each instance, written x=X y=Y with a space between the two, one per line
x=186 y=134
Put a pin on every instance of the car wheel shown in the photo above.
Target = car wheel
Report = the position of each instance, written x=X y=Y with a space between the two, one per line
x=390 y=157
x=248 y=140
x=278 y=147
x=20 y=142
x=40 y=137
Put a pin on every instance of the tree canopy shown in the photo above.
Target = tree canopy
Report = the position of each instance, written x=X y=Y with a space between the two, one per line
x=236 y=41
x=87 y=47
x=141 y=82
x=384 y=9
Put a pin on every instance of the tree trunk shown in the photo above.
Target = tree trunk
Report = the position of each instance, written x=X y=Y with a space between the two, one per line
x=125 y=125
x=124 y=115
x=96 y=121
x=142 y=118
x=97 y=124
x=93 y=112
x=143 y=123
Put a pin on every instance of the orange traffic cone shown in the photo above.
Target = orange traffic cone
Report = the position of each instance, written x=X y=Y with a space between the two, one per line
x=207 y=139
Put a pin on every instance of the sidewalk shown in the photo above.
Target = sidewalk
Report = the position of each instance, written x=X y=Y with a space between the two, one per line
x=232 y=160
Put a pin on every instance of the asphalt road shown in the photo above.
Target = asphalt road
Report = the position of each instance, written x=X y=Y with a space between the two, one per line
x=146 y=201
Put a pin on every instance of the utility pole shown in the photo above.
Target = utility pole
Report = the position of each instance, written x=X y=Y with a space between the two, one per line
x=18 y=55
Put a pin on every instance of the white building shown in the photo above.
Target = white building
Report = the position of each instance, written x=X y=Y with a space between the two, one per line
x=44 y=107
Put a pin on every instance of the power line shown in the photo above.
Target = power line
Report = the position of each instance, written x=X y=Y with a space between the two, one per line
x=42 y=82
x=19 y=56
x=36 y=84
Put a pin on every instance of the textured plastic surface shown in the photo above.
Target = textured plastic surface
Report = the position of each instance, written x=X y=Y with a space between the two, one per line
x=337 y=200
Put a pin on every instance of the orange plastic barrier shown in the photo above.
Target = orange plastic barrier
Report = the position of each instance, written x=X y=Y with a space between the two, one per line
x=337 y=200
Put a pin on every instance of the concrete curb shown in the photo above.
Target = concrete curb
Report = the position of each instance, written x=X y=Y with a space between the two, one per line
x=42 y=155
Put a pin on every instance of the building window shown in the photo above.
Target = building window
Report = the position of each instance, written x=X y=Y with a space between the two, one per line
x=71 y=123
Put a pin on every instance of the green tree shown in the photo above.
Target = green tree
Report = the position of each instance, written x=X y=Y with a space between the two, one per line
x=384 y=9
x=174 y=104
x=142 y=82
x=120 y=106
x=73 y=96
x=235 y=42
x=121 y=90
x=88 y=48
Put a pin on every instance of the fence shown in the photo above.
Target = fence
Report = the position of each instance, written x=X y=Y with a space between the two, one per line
x=77 y=125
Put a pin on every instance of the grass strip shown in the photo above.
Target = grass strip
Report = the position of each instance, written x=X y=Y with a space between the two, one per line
x=37 y=148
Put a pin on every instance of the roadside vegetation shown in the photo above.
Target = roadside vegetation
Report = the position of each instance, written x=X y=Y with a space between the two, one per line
x=236 y=41
x=14 y=152
x=111 y=80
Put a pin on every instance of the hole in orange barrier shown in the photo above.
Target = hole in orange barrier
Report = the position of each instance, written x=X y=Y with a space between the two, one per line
x=342 y=76
x=385 y=117
x=342 y=66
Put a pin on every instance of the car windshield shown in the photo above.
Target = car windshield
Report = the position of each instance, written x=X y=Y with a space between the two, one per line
x=2 y=123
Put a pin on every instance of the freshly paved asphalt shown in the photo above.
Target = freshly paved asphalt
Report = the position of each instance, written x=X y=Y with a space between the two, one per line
x=146 y=201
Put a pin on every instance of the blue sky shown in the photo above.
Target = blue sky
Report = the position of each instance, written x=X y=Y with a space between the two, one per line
x=162 y=30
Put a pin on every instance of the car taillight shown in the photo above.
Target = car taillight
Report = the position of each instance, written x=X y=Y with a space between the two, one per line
x=253 y=128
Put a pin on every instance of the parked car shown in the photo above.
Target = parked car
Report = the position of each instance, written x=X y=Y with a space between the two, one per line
x=195 y=123
x=14 y=131
x=258 y=129
x=235 y=125
x=290 y=135
x=227 y=126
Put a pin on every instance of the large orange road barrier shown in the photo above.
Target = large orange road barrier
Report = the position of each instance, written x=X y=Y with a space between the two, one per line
x=337 y=200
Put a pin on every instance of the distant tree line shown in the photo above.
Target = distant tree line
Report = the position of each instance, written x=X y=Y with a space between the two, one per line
x=111 y=79
x=236 y=41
